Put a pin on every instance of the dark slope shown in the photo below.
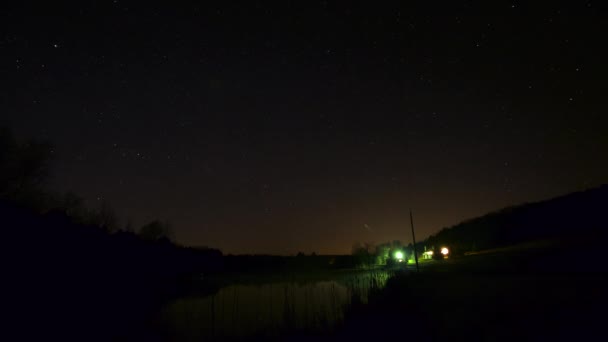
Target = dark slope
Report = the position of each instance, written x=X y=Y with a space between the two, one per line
x=579 y=219
x=71 y=281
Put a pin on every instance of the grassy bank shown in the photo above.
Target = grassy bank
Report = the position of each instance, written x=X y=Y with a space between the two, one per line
x=484 y=299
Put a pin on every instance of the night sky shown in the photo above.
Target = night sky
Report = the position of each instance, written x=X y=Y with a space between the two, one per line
x=306 y=126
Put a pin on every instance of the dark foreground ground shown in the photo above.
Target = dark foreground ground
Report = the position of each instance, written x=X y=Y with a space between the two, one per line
x=498 y=297
x=513 y=295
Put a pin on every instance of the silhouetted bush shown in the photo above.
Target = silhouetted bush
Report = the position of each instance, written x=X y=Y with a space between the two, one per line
x=156 y=231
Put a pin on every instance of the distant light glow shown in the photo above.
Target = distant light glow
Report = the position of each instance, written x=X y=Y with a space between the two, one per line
x=399 y=255
x=444 y=251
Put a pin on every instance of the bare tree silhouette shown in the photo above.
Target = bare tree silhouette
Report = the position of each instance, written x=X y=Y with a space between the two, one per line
x=24 y=169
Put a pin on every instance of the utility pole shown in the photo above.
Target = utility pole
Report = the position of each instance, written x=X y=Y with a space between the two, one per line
x=414 y=241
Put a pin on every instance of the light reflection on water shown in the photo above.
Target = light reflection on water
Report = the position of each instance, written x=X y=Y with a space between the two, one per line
x=243 y=310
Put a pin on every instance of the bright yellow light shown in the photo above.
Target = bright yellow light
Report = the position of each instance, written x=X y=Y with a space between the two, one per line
x=428 y=252
x=444 y=251
x=399 y=255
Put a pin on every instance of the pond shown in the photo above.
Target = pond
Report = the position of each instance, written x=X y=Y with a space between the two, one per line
x=268 y=309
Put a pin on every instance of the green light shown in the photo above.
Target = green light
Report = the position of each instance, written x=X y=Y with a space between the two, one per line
x=399 y=255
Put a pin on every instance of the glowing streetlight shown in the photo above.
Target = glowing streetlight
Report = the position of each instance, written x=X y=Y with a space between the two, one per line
x=399 y=256
x=444 y=251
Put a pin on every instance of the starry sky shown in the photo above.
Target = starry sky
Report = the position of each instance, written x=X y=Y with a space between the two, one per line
x=305 y=126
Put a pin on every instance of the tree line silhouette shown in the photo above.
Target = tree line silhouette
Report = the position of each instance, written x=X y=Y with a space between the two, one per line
x=25 y=168
x=75 y=272
x=577 y=221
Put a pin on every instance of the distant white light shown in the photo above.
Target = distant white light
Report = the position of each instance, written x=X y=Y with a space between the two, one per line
x=444 y=251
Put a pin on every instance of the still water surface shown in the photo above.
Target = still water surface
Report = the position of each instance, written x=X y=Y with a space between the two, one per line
x=268 y=309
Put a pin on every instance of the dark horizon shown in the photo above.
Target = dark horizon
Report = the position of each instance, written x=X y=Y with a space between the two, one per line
x=307 y=128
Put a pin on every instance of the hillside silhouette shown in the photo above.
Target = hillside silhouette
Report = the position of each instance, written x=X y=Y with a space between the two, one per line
x=576 y=224
x=72 y=271
x=80 y=281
